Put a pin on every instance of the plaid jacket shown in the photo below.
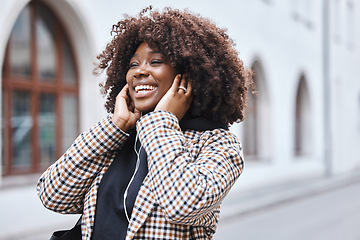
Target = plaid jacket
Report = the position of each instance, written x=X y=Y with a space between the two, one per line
x=189 y=175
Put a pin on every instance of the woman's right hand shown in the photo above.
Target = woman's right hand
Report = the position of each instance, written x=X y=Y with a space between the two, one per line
x=125 y=114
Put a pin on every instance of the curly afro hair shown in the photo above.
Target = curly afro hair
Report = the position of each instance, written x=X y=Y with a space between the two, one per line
x=194 y=44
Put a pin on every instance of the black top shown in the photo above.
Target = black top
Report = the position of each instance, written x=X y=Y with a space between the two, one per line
x=110 y=219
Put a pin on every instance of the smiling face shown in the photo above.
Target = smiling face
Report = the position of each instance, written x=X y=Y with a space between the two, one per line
x=149 y=77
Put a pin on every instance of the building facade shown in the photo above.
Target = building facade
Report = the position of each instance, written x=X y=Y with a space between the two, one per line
x=304 y=121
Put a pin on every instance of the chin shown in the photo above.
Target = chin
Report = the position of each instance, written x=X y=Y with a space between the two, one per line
x=144 y=109
x=145 y=105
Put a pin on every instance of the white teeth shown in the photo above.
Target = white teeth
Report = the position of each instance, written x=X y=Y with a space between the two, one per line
x=144 y=88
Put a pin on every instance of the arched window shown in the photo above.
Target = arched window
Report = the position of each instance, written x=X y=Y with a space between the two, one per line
x=40 y=92
x=256 y=127
x=251 y=126
x=302 y=120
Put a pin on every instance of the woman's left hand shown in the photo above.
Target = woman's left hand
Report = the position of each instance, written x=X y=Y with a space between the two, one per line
x=178 y=98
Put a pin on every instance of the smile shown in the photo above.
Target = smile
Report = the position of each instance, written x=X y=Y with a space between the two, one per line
x=144 y=88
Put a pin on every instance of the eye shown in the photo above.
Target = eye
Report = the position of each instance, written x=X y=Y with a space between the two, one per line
x=133 y=64
x=156 y=62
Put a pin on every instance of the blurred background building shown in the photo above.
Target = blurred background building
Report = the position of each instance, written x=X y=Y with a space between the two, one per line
x=303 y=123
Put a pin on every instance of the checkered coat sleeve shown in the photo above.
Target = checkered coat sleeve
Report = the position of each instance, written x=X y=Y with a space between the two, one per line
x=69 y=185
x=189 y=175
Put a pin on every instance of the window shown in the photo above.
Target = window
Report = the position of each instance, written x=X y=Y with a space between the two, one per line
x=251 y=126
x=40 y=92
x=302 y=120
x=256 y=127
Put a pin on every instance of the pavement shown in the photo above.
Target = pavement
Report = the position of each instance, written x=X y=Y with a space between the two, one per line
x=330 y=215
x=250 y=201
x=22 y=215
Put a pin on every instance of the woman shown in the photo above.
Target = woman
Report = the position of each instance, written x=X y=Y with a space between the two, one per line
x=161 y=164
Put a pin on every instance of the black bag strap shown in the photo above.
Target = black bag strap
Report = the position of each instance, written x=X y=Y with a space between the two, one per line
x=71 y=234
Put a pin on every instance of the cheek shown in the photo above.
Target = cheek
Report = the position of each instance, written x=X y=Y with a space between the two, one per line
x=166 y=87
x=170 y=76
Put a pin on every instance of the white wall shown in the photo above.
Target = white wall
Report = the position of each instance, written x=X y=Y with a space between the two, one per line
x=345 y=86
x=287 y=41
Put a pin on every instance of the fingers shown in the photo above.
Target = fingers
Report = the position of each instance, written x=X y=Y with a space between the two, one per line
x=123 y=97
x=178 y=98
x=188 y=89
x=124 y=92
x=185 y=88
x=175 y=85
x=125 y=114
x=183 y=85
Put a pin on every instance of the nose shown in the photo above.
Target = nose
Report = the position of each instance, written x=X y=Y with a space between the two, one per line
x=141 y=71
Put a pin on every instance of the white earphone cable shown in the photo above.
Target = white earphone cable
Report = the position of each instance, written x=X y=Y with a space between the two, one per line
x=133 y=176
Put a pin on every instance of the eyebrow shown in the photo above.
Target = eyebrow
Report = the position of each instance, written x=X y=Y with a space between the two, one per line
x=152 y=52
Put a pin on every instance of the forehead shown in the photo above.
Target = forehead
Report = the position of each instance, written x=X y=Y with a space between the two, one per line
x=144 y=48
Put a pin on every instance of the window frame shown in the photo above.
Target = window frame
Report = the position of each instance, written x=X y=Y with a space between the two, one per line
x=36 y=87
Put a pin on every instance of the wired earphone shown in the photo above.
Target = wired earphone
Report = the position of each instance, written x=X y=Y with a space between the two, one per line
x=133 y=176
